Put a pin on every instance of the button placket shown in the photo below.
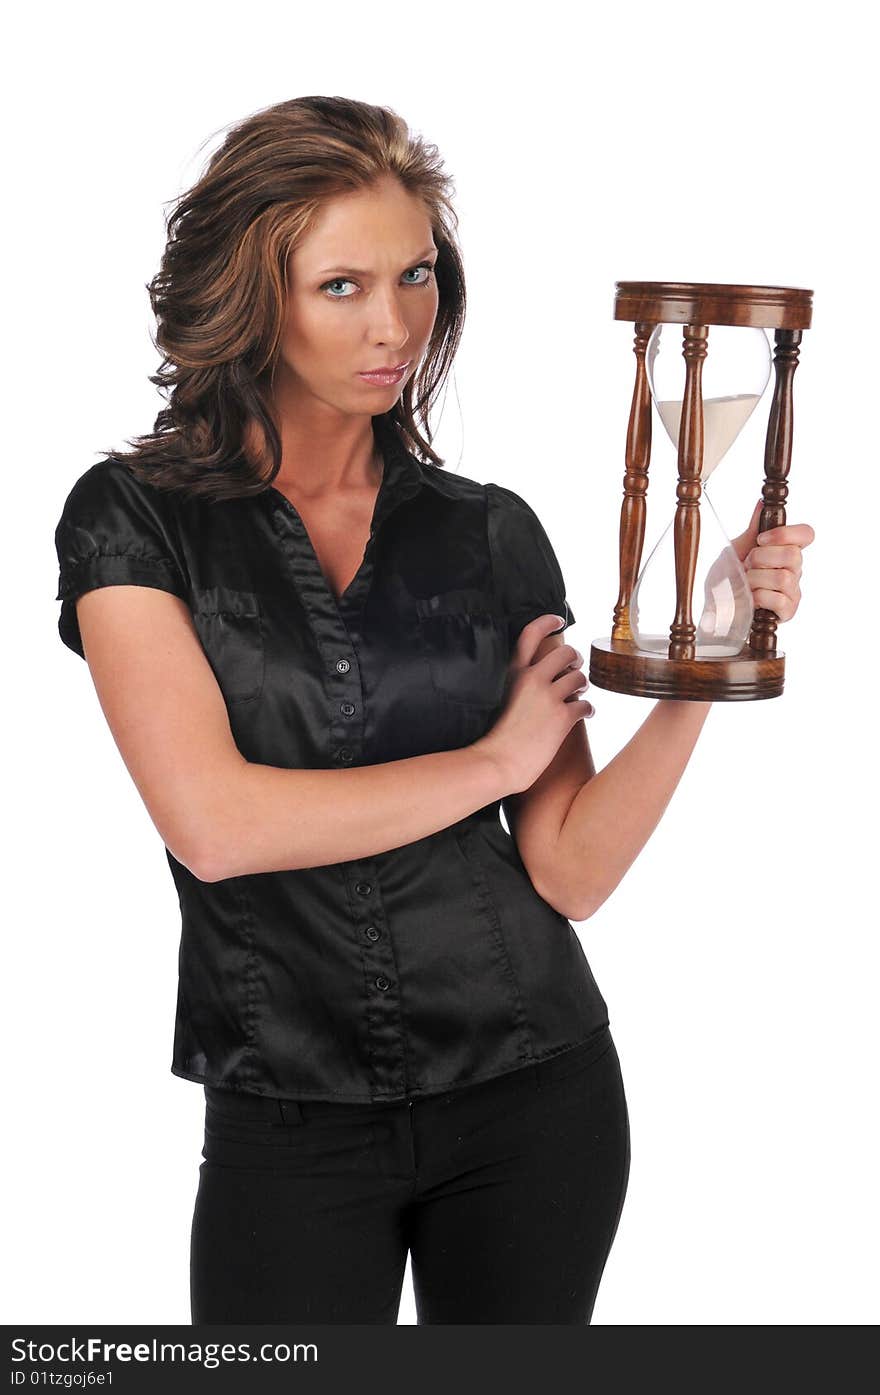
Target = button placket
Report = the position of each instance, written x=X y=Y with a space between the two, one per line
x=336 y=627
x=378 y=952
x=346 y=726
x=328 y=617
x=384 y=1024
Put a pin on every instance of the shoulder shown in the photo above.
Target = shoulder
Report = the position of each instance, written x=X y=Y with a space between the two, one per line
x=109 y=512
x=114 y=530
x=111 y=480
x=512 y=520
x=451 y=484
x=503 y=499
x=526 y=567
x=498 y=498
x=109 y=496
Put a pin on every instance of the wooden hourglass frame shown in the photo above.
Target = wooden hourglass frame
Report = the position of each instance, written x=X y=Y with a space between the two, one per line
x=758 y=670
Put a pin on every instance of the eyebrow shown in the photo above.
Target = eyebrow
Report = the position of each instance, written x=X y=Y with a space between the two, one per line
x=353 y=271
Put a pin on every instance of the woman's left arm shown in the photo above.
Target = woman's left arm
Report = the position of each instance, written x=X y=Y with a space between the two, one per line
x=578 y=831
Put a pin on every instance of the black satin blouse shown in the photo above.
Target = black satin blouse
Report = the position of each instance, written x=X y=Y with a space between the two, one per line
x=426 y=967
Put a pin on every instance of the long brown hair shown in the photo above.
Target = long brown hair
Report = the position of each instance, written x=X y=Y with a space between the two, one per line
x=219 y=295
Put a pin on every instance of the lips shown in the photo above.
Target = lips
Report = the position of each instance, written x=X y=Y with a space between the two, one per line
x=391 y=368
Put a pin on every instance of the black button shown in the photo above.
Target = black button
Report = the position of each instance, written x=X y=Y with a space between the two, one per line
x=346 y=755
x=347 y=708
x=382 y=983
x=372 y=933
x=342 y=665
x=363 y=888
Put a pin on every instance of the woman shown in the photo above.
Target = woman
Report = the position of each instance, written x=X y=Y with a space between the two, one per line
x=327 y=662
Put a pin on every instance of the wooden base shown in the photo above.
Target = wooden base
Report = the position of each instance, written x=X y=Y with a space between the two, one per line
x=617 y=664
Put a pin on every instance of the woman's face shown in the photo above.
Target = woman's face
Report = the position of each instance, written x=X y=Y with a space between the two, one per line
x=362 y=295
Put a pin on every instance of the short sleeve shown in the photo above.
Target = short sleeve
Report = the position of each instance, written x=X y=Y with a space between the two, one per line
x=113 y=531
x=528 y=577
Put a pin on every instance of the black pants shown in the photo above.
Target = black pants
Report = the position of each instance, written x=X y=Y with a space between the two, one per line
x=507 y=1195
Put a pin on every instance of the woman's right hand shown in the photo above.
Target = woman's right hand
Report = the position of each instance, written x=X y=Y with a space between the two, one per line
x=540 y=706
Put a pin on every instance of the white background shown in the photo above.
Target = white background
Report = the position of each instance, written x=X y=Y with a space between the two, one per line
x=738 y=957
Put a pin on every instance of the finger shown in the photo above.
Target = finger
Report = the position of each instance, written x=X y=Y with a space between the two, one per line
x=801 y=534
x=572 y=665
x=532 y=635
x=780 y=555
x=574 y=680
x=559 y=659
x=783 y=605
x=744 y=539
x=583 y=707
x=774 y=579
x=789 y=557
x=752 y=524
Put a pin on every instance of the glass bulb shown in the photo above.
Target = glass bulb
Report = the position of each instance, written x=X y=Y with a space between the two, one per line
x=722 y=598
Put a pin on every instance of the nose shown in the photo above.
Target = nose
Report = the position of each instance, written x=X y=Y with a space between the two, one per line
x=387 y=324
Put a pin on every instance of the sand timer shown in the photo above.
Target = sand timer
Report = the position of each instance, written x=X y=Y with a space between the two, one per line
x=686 y=626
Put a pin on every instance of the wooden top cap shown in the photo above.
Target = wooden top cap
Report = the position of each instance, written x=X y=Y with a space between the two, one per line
x=707 y=303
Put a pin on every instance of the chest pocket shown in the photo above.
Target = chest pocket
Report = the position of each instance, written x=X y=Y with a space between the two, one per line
x=229 y=625
x=463 y=634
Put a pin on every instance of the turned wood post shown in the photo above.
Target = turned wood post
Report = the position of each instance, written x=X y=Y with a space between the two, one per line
x=777 y=462
x=686 y=528
x=633 y=509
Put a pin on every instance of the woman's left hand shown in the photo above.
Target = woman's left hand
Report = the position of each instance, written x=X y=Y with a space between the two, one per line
x=773 y=562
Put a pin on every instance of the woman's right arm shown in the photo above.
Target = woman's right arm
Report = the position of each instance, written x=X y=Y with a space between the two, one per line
x=223 y=816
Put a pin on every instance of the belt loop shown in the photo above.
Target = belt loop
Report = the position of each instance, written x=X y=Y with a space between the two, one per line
x=290 y=1112
x=536 y=1076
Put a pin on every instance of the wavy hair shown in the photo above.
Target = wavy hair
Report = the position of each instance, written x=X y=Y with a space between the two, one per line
x=219 y=294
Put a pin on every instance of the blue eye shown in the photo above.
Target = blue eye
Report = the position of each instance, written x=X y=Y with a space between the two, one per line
x=344 y=281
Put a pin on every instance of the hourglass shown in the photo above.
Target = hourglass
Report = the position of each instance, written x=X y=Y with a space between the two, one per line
x=704 y=358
